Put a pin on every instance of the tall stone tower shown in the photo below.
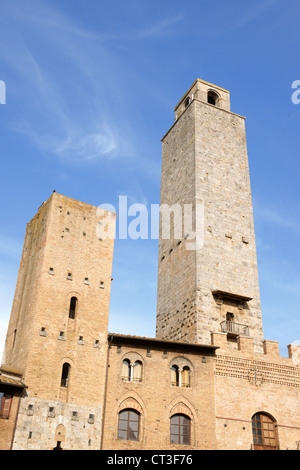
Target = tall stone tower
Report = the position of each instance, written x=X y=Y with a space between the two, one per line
x=210 y=286
x=57 y=333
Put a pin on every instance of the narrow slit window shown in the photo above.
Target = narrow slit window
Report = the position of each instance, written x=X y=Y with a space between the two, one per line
x=65 y=376
x=73 y=307
x=14 y=338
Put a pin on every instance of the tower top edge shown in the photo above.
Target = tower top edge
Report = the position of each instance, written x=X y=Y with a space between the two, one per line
x=203 y=82
x=69 y=203
x=206 y=104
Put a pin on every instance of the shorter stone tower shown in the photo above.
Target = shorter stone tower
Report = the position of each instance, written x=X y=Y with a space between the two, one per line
x=57 y=333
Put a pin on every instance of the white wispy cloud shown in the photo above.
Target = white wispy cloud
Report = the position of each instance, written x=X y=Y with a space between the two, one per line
x=45 y=15
x=255 y=11
x=158 y=29
x=70 y=98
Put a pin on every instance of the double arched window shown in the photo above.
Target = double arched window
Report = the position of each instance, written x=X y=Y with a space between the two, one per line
x=132 y=372
x=180 y=377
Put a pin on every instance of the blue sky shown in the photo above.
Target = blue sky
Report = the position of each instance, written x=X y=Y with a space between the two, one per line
x=90 y=91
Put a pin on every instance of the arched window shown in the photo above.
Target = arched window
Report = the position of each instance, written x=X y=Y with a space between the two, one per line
x=180 y=378
x=65 y=375
x=187 y=102
x=126 y=370
x=180 y=429
x=132 y=372
x=137 y=372
x=129 y=425
x=175 y=376
x=60 y=436
x=185 y=377
x=264 y=432
x=73 y=307
x=213 y=98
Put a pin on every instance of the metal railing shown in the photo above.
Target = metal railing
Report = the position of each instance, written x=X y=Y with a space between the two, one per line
x=182 y=384
x=133 y=379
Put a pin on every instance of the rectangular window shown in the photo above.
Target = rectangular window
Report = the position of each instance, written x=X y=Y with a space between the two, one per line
x=5 y=404
x=180 y=430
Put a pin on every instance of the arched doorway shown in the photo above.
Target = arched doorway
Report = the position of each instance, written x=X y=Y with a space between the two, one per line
x=264 y=431
x=60 y=437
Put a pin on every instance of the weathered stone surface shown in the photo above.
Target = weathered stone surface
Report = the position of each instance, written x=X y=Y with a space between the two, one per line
x=62 y=258
x=205 y=163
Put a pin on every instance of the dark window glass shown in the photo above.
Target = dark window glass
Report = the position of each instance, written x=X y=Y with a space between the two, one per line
x=180 y=430
x=129 y=424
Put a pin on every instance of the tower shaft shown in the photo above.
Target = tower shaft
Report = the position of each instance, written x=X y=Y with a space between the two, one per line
x=211 y=285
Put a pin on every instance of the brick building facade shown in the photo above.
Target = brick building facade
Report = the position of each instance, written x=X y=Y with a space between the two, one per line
x=209 y=380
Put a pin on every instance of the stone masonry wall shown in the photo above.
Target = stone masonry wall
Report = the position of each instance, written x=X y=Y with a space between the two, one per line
x=176 y=288
x=205 y=163
x=44 y=423
x=227 y=262
x=65 y=259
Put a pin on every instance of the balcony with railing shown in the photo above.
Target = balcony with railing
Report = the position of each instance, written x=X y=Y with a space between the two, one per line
x=234 y=329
